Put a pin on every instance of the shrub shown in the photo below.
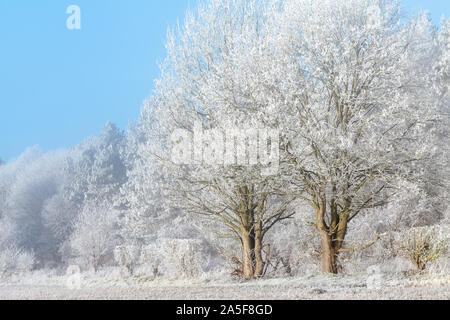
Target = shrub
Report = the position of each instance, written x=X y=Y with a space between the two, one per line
x=94 y=237
x=186 y=258
x=151 y=257
x=14 y=260
x=422 y=246
x=176 y=257
x=127 y=256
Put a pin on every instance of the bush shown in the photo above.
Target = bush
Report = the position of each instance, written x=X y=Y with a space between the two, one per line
x=186 y=258
x=422 y=246
x=176 y=257
x=14 y=260
x=127 y=256
x=294 y=249
x=151 y=257
x=94 y=237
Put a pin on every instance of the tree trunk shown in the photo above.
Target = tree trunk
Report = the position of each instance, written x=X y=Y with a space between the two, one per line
x=248 y=255
x=259 y=262
x=329 y=255
x=332 y=236
x=251 y=234
x=329 y=264
x=252 y=258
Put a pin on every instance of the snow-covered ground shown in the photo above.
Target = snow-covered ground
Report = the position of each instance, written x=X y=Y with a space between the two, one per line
x=307 y=287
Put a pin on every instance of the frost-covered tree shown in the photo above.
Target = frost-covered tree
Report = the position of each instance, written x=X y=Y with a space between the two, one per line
x=357 y=111
x=347 y=83
x=27 y=185
x=95 y=235
x=42 y=194
x=59 y=215
x=94 y=173
x=142 y=195
x=442 y=68
x=13 y=259
x=150 y=217
x=96 y=170
x=443 y=63
x=204 y=82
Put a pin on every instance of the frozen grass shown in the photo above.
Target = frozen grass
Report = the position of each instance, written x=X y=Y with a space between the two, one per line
x=110 y=286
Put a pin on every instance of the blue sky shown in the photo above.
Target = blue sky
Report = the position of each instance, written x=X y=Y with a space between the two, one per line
x=59 y=86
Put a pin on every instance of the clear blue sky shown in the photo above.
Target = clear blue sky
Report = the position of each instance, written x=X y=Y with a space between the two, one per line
x=58 y=86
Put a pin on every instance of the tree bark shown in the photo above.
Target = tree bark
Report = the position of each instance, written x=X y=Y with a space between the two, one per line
x=259 y=261
x=252 y=258
x=329 y=254
x=331 y=236
x=251 y=234
x=248 y=255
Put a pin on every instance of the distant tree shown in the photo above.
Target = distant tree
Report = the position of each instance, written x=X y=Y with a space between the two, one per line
x=42 y=195
x=142 y=194
x=26 y=185
x=442 y=68
x=95 y=168
x=95 y=235
x=94 y=173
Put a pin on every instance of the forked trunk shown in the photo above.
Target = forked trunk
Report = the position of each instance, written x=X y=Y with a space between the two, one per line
x=251 y=234
x=252 y=259
x=332 y=236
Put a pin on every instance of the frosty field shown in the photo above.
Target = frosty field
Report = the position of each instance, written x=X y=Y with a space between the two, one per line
x=320 y=287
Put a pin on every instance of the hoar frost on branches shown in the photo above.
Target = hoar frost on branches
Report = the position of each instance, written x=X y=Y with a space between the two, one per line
x=95 y=235
x=349 y=91
x=201 y=84
x=359 y=112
